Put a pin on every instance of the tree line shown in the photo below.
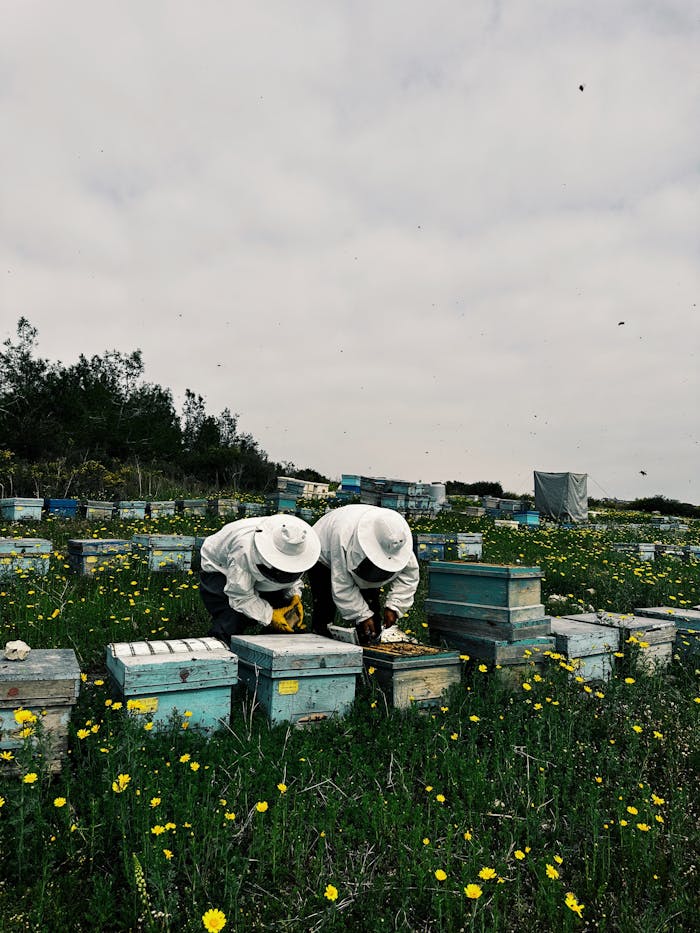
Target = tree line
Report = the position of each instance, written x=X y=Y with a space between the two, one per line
x=96 y=427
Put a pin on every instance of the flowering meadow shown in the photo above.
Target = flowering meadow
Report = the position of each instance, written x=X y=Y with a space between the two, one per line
x=555 y=805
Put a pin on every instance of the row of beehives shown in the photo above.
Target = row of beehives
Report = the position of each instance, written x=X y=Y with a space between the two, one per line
x=92 y=555
x=23 y=509
x=652 y=550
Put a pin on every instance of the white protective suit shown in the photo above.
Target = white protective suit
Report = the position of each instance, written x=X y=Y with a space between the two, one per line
x=341 y=552
x=232 y=551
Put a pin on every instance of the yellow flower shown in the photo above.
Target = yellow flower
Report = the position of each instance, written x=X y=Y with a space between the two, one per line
x=185 y=758
x=168 y=854
x=371 y=670
x=99 y=683
x=573 y=904
x=551 y=871
x=428 y=788
x=426 y=841
x=527 y=686
x=147 y=726
x=282 y=788
x=2 y=801
x=59 y=802
x=487 y=873
x=633 y=810
x=440 y=798
x=440 y=874
x=629 y=680
x=6 y=756
x=643 y=827
x=519 y=854
x=229 y=815
x=637 y=728
x=473 y=891
x=468 y=835
x=187 y=713
x=331 y=892
x=24 y=716
x=83 y=733
x=214 y=920
x=474 y=719
x=483 y=668
x=558 y=859
x=195 y=766
x=261 y=806
x=155 y=801
x=454 y=736
x=657 y=800
x=30 y=778
x=121 y=784
x=157 y=830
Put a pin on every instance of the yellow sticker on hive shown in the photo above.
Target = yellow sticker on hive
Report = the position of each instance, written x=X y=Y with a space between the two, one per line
x=157 y=552
x=90 y=560
x=146 y=705
x=288 y=686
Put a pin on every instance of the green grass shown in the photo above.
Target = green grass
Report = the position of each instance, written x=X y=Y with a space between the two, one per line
x=373 y=805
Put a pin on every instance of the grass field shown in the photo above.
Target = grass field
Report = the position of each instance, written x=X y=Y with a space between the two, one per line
x=557 y=806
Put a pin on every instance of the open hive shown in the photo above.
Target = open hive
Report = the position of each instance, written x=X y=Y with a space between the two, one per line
x=412 y=675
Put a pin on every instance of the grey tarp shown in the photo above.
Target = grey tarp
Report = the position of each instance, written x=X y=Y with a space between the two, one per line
x=563 y=496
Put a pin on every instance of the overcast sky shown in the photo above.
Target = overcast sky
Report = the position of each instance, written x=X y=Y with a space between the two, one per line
x=396 y=237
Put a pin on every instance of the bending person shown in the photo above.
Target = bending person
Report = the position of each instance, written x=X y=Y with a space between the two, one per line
x=251 y=573
x=363 y=548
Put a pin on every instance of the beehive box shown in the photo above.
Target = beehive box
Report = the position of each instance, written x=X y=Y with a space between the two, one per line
x=164 y=552
x=88 y=555
x=429 y=546
x=188 y=678
x=642 y=551
x=456 y=618
x=527 y=518
x=687 y=621
x=130 y=509
x=669 y=550
x=19 y=555
x=464 y=545
x=97 y=510
x=281 y=502
x=412 y=675
x=492 y=593
x=66 y=508
x=224 y=507
x=192 y=506
x=653 y=638
x=306 y=513
x=588 y=646
x=252 y=508
x=162 y=507
x=474 y=511
x=21 y=510
x=494 y=650
x=47 y=684
x=298 y=678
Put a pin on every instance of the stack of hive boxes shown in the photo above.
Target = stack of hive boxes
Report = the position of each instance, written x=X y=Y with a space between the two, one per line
x=492 y=612
x=687 y=622
x=650 y=639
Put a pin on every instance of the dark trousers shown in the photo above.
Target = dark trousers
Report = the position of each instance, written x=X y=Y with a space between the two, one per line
x=324 y=608
x=227 y=621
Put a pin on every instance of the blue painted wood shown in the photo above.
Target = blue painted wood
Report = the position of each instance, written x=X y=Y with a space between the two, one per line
x=588 y=646
x=88 y=555
x=464 y=545
x=507 y=586
x=164 y=552
x=281 y=502
x=130 y=509
x=488 y=621
x=252 y=508
x=18 y=509
x=527 y=518
x=350 y=481
x=298 y=678
x=495 y=651
x=648 y=640
x=24 y=555
x=66 y=508
x=161 y=679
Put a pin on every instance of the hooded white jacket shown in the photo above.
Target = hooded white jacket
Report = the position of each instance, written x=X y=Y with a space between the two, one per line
x=340 y=552
x=232 y=551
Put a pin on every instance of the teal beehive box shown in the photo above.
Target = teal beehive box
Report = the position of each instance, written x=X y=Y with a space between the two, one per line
x=189 y=679
x=429 y=546
x=46 y=684
x=24 y=555
x=164 y=552
x=298 y=678
x=21 y=510
x=129 y=508
x=92 y=555
x=97 y=510
x=648 y=640
x=687 y=622
x=162 y=507
x=249 y=509
x=587 y=646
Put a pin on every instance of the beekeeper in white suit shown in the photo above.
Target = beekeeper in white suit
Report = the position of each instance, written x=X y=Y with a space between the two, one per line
x=251 y=573
x=363 y=548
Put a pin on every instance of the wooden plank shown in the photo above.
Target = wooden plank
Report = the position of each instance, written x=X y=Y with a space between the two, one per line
x=687 y=618
x=491 y=613
x=278 y=654
x=502 y=631
x=492 y=650
x=179 y=665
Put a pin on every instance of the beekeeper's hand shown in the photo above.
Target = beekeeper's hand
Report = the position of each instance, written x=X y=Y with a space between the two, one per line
x=391 y=617
x=279 y=624
x=367 y=630
x=297 y=604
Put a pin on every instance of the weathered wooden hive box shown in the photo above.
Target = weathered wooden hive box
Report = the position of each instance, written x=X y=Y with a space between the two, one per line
x=687 y=623
x=298 y=678
x=126 y=508
x=96 y=510
x=588 y=646
x=670 y=550
x=281 y=502
x=190 y=678
x=20 y=555
x=18 y=509
x=412 y=675
x=161 y=507
x=653 y=638
x=192 y=506
x=224 y=507
x=47 y=684
x=164 y=552
x=501 y=652
x=252 y=508
x=306 y=513
x=90 y=555
x=474 y=511
x=464 y=545
x=429 y=546
x=643 y=551
x=64 y=508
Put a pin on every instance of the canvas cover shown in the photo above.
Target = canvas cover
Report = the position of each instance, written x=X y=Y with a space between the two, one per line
x=562 y=496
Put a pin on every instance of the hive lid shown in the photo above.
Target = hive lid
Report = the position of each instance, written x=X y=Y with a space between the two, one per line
x=276 y=653
x=25 y=546
x=183 y=664
x=48 y=677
